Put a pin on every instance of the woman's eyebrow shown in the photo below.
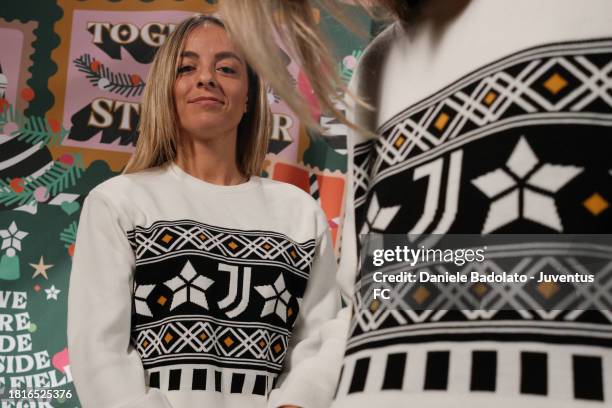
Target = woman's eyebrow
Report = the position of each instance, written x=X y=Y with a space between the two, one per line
x=228 y=54
x=218 y=56
x=189 y=54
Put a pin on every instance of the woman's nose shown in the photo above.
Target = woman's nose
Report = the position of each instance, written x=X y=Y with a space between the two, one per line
x=206 y=79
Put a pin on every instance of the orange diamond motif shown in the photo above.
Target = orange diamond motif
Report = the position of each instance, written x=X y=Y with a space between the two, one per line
x=267 y=246
x=374 y=305
x=480 y=289
x=490 y=98
x=167 y=238
x=420 y=295
x=277 y=348
x=555 y=83
x=168 y=338
x=145 y=344
x=202 y=237
x=162 y=300
x=596 y=204
x=228 y=341
x=441 y=121
x=289 y=312
x=293 y=254
x=548 y=289
x=399 y=141
x=232 y=245
x=262 y=343
x=203 y=336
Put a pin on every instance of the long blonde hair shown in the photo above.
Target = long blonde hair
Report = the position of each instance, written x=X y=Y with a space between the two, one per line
x=158 y=128
x=254 y=24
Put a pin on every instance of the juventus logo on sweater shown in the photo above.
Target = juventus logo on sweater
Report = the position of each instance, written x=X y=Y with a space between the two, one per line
x=204 y=294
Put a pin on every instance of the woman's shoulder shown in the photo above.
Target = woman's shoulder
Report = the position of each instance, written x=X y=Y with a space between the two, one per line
x=300 y=209
x=127 y=184
x=374 y=54
x=288 y=192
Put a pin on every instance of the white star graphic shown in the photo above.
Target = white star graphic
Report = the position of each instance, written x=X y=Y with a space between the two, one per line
x=188 y=286
x=52 y=292
x=378 y=218
x=141 y=293
x=12 y=237
x=537 y=189
x=40 y=268
x=277 y=298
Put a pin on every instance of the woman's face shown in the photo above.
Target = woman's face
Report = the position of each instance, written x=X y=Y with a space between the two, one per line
x=211 y=87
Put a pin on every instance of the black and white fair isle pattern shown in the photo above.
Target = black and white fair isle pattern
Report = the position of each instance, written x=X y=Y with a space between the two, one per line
x=519 y=146
x=220 y=303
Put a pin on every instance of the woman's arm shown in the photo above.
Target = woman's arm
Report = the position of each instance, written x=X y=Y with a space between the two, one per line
x=107 y=371
x=313 y=362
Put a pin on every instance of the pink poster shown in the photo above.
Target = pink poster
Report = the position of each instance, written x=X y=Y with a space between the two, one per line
x=109 y=58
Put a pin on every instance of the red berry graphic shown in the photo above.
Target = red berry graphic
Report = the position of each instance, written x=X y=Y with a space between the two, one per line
x=67 y=159
x=55 y=125
x=17 y=185
x=95 y=65
x=135 y=79
x=27 y=94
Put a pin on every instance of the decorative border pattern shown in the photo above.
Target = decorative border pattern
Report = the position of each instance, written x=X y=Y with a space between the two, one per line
x=174 y=238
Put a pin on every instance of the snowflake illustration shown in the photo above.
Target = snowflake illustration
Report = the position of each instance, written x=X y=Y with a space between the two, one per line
x=378 y=218
x=277 y=298
x=52 y=292
x=12 y=237
x=188 y=286
x=528 y=185
x=141 y=294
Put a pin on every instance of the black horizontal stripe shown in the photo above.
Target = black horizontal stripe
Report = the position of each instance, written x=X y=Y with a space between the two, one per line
x=501 y=337
x=511 y=324
x=237 y=364
x=25 y=167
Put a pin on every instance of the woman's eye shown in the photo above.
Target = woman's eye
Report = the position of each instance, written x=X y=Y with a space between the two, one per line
x=185 y=68
x=227 y=70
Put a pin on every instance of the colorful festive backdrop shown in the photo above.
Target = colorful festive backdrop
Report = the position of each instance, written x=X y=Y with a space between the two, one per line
x=71 y=77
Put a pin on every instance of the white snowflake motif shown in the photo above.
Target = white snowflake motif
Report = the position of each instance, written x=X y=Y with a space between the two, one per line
x=277 y=298
x=141 y=294
x=536 y=191
x=188 y=286
x=52 y=292
x=12 y=237
x=378 y=218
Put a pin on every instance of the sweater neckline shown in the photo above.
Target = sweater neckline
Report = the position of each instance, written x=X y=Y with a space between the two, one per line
x=187 y=178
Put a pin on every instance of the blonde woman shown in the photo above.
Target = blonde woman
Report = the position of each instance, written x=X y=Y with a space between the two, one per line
x=195 y=283
x=489 y=117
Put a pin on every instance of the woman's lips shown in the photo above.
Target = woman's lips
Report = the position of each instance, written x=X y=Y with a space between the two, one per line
x=206 y=101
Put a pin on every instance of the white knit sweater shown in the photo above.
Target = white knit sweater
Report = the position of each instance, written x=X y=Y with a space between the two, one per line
x=187 y=294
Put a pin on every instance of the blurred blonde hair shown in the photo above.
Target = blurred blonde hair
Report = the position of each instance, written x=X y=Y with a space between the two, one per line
x=158 y=128
x=254 y=24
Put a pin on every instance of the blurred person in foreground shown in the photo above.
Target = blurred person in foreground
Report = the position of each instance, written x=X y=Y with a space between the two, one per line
x=484 y=117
